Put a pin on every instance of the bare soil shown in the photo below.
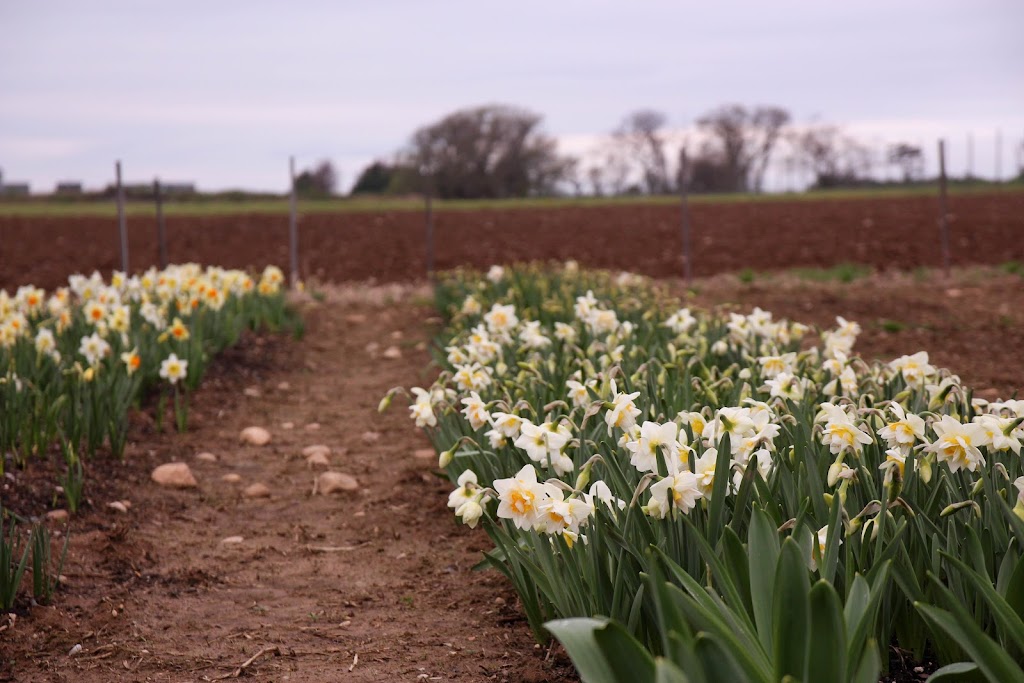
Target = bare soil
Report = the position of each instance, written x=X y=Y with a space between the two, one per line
x=886 y=233
x=374 y=585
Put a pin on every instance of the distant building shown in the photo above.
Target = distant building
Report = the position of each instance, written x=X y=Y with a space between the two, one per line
x=18 y=189
x=178 y=188
x=14 y=189
x=68 y=188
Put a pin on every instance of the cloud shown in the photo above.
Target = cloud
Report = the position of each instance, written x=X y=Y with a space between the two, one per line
x=42 y=148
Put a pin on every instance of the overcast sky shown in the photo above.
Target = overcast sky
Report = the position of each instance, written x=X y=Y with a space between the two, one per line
x=220 y=93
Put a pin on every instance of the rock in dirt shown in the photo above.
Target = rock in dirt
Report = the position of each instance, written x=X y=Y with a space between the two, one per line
x=257 y=436
x=355 y=318
x=317 y=459
x=392 y=353
x=256 y=490
x=174 y=475
x=231 y=478
x=206 y=457
x=232 y=540
x=57 y=515
x=312 y=426
x=316 y=448
x=333 y=482
x=287 y=425
x=424 y=453
x=283 y=386
x=371 y=437
x=118 y=506
x=252 y=392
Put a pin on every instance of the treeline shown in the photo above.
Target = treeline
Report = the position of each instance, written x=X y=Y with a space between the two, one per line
x=501 y=151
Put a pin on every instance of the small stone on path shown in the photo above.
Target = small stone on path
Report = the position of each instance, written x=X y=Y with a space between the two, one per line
x=206 y=457
x=252 y=392
x=424 y=453
x=118 y=505
x=287 y=425
x=256 y=490
x=257 y=436
x=174 y=475
x=312 y=426
x=316 y=448
x=283 y=386
x=57 y=515
x=392 y=353
x=317 y=459
x=371 y=437
x=330 y=482
x=231 y=478
x=232 y=540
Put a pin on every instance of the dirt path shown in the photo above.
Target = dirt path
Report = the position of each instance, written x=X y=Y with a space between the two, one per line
x=374 y=585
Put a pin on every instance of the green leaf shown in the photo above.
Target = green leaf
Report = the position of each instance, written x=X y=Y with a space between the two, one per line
x=826 y=651
x=603 y=651
x=1015 y=590
x=869 y=670
x=719 y=663
x=763 y=544
x=856 y=602
x=1009 y=623
x=955 y=673
x=790 y=613
x=719 y=490
x=667 y=672
x=990 y=658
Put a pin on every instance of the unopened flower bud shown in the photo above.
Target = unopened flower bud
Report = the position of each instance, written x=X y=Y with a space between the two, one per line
x=446 y=458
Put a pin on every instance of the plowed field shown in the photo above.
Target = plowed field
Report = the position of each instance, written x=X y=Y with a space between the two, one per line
x=887 y=233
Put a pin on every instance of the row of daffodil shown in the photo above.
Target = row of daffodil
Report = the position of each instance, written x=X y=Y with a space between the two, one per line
x=586 y=417
x=73 y=361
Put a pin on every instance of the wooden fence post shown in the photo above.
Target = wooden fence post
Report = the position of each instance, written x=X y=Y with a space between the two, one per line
x=293 y=226
x=684 y=219
x=161 y=233
x=122 y=224
x=943 y=208
x=429 y=210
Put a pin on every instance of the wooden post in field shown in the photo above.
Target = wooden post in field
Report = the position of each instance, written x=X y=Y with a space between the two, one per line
x=429 y=216
x=970 y=156
x=999 y=156
x=293 y=226
x=684 y=219
x=943 y=208
x=122 y=225
x=161 y=232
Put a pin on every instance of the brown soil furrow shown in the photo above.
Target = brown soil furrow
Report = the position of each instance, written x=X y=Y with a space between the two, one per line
x=887 y=233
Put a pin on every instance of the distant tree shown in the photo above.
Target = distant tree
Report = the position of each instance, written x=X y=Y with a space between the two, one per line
x=319 y=181
x=488 y=152
x=609 y=173
x=707 y=171
x=835 y=159
x=744 y=139
x=909 y=159
x=641 y=137
x=375 y=179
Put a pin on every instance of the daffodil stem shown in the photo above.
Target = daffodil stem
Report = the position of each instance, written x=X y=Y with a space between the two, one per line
x=180 y=410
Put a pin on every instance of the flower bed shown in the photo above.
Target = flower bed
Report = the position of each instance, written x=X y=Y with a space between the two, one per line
x=686 y=496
